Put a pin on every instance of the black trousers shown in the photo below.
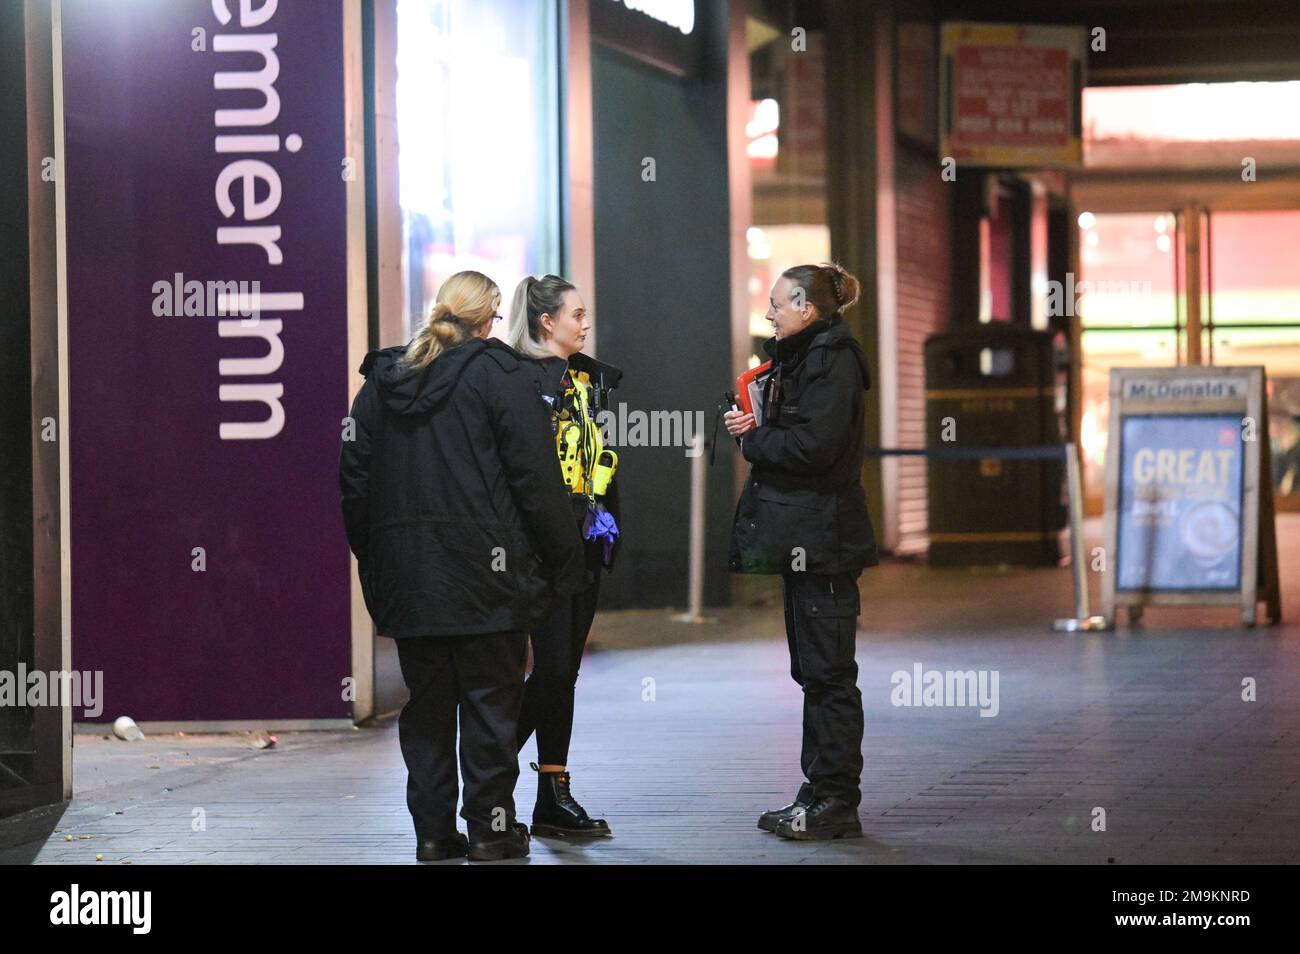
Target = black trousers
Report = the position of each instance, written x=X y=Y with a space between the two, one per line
x=821 y=627
x=558 y=644
x=482 y=678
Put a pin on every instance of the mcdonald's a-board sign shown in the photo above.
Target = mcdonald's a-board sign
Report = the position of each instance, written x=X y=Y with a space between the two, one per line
x=1189 y=503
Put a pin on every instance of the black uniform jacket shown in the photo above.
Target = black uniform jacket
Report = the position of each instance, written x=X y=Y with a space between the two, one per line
x=453 y=499
x=803 y=507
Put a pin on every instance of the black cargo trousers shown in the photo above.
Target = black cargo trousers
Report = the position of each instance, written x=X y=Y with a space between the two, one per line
x=480 y=679
x=821 y=627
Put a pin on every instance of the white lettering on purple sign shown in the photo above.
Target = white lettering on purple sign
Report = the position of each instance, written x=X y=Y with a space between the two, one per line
x=242 y=135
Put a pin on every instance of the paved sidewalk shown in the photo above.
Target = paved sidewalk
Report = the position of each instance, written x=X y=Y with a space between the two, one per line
x=1148 y=725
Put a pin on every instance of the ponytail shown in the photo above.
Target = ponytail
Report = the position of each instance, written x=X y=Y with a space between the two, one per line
x=465 y=301
x=533 y=298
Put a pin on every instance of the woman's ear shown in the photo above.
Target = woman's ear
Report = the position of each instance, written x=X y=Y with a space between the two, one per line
x=547 y=323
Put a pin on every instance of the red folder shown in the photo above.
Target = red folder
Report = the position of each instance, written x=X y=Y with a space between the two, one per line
x=749 y=390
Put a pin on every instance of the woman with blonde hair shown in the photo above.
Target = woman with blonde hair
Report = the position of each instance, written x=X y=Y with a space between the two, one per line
x=549 y=323
x=454 y=506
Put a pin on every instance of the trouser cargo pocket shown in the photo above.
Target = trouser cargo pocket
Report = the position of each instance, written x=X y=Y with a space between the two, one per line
x=828 y=597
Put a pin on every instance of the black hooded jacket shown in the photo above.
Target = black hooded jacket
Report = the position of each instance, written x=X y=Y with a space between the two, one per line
x=804 y=490
x=453 y=499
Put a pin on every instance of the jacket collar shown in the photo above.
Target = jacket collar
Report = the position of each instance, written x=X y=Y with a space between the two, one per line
x=832 y=334
x=553 y=363
x=597 y=370
x=555 y=367
x=791 y=349
x=407 y=390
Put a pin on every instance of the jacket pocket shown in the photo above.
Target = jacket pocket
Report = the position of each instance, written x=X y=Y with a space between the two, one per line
x=832 y=605
x=534 y=595
x=796 y=528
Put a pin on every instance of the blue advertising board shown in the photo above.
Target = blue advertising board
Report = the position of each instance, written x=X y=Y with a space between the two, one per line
x=1179 y=515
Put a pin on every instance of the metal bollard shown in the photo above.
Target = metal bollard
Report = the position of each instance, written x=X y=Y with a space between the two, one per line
x=1083 y=620
x=695 y=569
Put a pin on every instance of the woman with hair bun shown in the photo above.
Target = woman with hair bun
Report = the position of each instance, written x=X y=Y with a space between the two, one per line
x=803 y=515
x=454 y=507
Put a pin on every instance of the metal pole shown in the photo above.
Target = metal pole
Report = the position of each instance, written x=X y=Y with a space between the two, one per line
x=1083 y=618
x=696 y=558
x=1075 y=492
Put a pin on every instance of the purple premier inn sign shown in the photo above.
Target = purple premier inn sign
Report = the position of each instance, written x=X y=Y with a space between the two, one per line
x=207 y=332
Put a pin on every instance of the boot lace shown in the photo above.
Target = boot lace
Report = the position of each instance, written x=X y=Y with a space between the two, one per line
x=565 y=797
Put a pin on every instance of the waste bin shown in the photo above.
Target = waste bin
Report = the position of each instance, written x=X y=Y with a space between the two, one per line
x=994 y=386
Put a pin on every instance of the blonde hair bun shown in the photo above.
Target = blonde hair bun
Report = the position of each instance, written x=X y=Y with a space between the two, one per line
x=465 y=302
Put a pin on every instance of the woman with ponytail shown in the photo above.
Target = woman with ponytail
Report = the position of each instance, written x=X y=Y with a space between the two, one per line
x=549 y=323
x=455 y=509
x=803 y=515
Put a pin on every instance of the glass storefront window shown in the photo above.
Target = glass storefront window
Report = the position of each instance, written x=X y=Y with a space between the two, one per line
x=1284 y=437
x=1251 y=314
x=1127 y=303
x=1253 y=267
x=478 y=134
x=1128 y=263
x=1191 y=125
x=1255 y=319
x=1278 y=350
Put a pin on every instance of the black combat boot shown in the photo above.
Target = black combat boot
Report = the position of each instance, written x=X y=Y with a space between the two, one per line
x=498 y=846
x=769 y=820
x=556 y=813
x=440 y=849
x=826 y=818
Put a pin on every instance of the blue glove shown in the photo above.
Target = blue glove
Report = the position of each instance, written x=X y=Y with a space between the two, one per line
x=599 y=525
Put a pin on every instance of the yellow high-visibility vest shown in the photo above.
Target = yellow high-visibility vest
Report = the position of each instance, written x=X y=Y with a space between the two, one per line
x=577 y=436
